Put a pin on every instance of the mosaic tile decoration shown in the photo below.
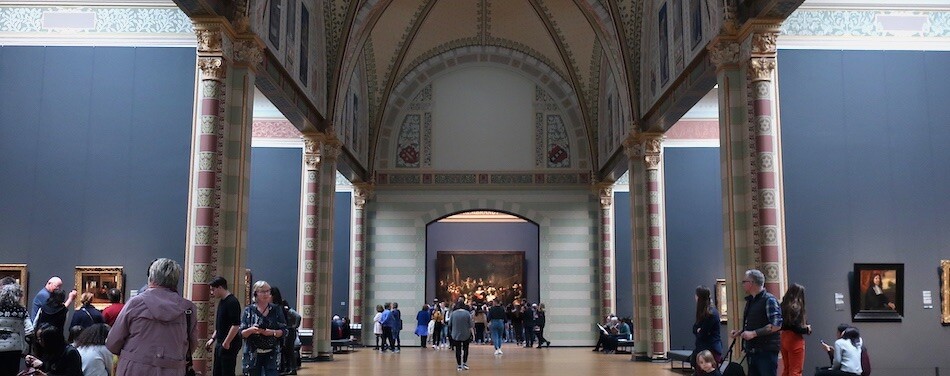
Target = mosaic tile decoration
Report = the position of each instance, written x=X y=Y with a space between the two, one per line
x=393 y=178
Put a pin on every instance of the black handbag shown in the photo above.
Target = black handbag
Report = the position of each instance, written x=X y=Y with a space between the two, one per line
x=728 y=367
x=189 y=366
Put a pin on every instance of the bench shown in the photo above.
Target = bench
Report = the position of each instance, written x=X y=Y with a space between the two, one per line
x=342 y=345
x=624 y=344
x=681 y=356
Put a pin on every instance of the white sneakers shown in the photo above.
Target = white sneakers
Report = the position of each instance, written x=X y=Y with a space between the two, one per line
x=464 y=366
x=498 y=352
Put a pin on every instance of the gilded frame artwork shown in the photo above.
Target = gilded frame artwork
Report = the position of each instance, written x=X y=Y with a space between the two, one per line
x=721 y=301
x=877 y=293
x=945 y=292
x=247 y=286
x=480 y=277
x=18 y=272
x=98 y=280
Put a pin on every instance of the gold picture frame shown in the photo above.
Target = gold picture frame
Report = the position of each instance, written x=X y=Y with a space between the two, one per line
x=247 y=287
x=18 y=272
x=98 y=280
x=945 y=292
x=721 y=300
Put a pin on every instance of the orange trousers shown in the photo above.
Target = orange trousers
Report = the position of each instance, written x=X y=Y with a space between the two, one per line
x=793 y=353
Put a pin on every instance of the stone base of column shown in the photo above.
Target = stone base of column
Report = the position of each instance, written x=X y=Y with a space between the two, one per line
x=323 y=357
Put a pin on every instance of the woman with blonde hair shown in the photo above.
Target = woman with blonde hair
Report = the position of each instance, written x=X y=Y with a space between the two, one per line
x=86 y=315
x=437 y=325
x=262 y=326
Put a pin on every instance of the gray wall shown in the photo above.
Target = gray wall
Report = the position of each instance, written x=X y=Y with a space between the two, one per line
x=94 y=154
x=274 y=225
x=484 y=237
x=693 y=237
x=693 y=233
x=864 y=137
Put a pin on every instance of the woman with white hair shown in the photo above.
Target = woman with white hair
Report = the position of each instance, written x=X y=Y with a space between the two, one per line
x=153 y=334
x=262 y=326
x=14 y=323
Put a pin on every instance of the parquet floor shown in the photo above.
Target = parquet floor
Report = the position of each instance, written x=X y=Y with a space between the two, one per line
x=516 y=361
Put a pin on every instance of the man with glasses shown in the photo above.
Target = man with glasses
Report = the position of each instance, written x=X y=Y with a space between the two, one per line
x=760 y=328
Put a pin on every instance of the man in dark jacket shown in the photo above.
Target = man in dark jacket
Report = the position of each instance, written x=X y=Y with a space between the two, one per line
x=762 y=321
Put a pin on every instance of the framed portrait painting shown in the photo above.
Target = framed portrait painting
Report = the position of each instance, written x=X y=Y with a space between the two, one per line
x=877 y=292
x=98 y=280
x=720 y=302
x=945 y=292
x=18 y=273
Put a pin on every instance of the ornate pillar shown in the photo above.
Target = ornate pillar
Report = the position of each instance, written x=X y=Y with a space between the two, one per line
x=217 y=207
x=306 y=273
x=769 y=223
x=641 y=298
x=608 y=292
x=323 y=301
x=656 y=248
x=361 y=193
x=750 y=158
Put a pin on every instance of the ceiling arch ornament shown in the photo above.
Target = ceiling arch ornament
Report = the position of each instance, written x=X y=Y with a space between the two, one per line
x=350 y=47
x=542 y=75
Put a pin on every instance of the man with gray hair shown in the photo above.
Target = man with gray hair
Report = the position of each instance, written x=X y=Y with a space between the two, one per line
x=762 y=320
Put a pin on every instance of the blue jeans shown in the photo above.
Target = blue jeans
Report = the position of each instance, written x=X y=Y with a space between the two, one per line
x=763 y=363
x=497 y=328
x=262 y=364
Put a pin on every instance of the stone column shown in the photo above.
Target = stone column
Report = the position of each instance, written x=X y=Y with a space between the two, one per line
x=204 y=202
x=323 y=299
x=750 y=159
x=640 y=287
x=361 y=193
x=607 y=282
x=769 y=222
x=217 y=207
x=306 y=273
x=656 y=248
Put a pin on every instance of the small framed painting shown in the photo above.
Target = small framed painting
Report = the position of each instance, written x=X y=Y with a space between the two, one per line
x=720 y=302
x=98 y=280
x=18 y=273
x=877 y=292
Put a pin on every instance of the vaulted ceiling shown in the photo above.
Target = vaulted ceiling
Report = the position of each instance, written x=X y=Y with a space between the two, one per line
x=388 y=38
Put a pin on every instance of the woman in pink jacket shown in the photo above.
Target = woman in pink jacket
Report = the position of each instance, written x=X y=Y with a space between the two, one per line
x=150 y=334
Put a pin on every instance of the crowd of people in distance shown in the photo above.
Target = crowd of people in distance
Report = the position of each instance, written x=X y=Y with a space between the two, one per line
x=480 y=292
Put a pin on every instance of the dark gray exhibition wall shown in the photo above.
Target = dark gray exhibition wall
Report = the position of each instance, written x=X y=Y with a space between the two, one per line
x=458 y=236
x=693 y=233
x=273 y=220
x=864 y=142
x=94 y=155
x=693 y=237
x=274 y=225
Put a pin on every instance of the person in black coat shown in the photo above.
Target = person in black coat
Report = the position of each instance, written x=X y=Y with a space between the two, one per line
x=52 y=355
x=707 y=327
x=53 y=312
x=87 y=315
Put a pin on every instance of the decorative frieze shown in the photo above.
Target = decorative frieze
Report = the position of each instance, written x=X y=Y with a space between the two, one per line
x=724 y=53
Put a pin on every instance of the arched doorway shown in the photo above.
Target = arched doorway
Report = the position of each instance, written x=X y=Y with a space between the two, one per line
x=490 y=237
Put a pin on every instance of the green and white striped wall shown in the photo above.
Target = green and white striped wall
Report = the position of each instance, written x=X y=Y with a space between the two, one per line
x=567 y=221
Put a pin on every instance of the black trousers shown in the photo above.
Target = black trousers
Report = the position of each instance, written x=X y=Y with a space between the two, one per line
x=388 y=337
x=10 y=362
x=461 y=351
x=518 y=328
x=225 y=361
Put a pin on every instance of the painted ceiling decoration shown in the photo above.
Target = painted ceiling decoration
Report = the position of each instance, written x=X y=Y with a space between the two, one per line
x=577 y=39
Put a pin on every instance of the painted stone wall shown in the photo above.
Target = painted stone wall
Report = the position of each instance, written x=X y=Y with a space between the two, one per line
x=567 y=224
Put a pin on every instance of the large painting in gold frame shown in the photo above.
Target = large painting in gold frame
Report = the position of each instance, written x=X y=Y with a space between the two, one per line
x=945 y=292
x=18 y=272
x=98 y=280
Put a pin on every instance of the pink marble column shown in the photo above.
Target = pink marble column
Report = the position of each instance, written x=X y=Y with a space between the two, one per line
x=306 y=275
x=608 y=291
x=656 y=248
x=361 y=194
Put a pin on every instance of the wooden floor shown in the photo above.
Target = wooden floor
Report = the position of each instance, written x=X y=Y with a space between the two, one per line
x=516 y=361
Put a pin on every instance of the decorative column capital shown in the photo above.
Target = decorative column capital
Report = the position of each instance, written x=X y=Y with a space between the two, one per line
x=362 y=192
x=311 y=150
x=605 y=191
x=724 y=53
x=632 y=147
x=212 y=68
x=764 y=43
x=248 y=51
x=652 y=150
x=730 y=25
x=332 y=147
x=761 y=68
x=215 y=36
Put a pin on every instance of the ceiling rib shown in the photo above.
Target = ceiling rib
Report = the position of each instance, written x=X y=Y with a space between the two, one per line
x=344 y=69
x=391 y=80
x=572 y=77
